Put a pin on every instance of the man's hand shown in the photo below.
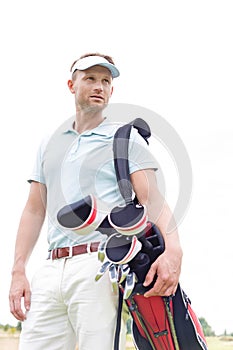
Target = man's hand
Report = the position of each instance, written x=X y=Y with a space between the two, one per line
x=167 y=269
x=29 y=230
x=20 y=288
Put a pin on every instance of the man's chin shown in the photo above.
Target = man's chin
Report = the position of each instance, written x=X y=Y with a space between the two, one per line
x=95 y=108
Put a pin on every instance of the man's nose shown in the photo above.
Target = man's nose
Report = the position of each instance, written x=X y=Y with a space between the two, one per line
x=98 y=85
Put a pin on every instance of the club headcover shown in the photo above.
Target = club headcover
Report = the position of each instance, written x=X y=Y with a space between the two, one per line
x=121 y=249
x=82 y=216
x=129 y=220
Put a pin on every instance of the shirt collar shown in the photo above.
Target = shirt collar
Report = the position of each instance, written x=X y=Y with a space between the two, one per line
x=102 y=129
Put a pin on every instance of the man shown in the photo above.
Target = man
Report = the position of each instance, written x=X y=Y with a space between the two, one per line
x=64 y=305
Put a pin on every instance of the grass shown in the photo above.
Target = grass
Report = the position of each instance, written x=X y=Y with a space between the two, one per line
x=220 y=343
x=214 y=343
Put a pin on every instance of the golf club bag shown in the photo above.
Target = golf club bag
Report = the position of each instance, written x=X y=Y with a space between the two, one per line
x=159 y=323
x=133 y=244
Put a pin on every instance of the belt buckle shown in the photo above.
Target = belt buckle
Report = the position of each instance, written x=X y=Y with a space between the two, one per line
x=89 y=248
x=50 y=255
x=70 y=252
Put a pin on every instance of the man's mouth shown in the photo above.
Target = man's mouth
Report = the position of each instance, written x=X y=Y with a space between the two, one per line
x=97 y=97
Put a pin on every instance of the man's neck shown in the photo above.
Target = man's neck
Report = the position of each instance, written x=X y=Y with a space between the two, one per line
x=87 y=121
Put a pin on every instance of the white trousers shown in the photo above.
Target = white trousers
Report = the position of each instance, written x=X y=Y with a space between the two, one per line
x=69 y=307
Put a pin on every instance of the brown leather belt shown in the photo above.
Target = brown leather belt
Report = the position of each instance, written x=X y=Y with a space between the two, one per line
x=68 y=252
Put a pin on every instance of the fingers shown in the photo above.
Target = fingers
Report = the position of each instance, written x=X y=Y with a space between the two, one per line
x=151 y=274
x=165 y=284
x=15 y=304
x=162 y=288
x=15 y=307
x=20 y=288
x=27 y=300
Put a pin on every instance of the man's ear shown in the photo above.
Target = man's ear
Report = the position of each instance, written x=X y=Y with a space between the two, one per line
x=70 y=86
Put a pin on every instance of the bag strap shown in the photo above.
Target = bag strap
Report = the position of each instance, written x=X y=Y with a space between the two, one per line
x=121 y=164
x=121 y=151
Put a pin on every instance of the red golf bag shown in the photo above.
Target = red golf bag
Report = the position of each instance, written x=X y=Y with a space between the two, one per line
x=158 y=323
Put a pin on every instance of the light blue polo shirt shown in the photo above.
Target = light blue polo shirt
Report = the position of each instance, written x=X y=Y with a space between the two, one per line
x=74 y=165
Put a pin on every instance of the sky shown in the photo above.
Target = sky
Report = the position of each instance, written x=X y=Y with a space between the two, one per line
x=175 y=59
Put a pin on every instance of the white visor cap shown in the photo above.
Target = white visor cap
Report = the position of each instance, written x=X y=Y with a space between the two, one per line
x=90 y=61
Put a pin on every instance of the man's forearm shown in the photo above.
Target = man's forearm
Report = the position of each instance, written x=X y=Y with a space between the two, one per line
x=28 y=233
x=164 y=220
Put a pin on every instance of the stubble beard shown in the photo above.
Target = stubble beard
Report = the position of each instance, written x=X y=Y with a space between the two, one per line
x=92 y=109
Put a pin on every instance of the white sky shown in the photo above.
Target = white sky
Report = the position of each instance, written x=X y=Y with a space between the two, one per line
x=175 y=58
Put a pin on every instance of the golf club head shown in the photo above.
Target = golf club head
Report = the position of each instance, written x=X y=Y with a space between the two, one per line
x=113 y=274
x=130 y=281
x=123 y=272
x=102 y=270
x=101 y=251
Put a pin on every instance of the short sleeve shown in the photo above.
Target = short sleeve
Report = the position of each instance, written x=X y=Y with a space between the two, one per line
x=37 y=171
x=140 y=156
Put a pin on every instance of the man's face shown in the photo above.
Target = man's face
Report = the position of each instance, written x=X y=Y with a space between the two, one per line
x=92 y=88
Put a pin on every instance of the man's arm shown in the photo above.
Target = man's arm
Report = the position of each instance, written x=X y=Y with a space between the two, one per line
x=28 y=232
x=168 y=265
